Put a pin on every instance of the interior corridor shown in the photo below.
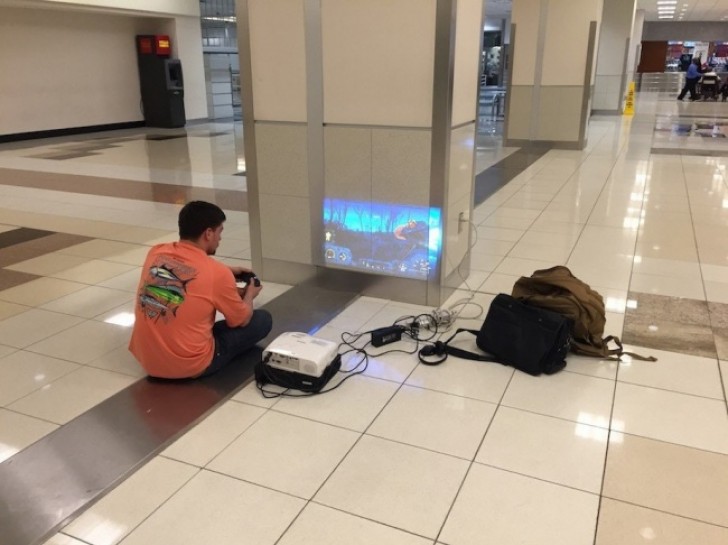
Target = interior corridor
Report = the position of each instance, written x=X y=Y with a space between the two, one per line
x=603 y=453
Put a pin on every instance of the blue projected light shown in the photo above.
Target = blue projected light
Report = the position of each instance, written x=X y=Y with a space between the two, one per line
x=397 y=240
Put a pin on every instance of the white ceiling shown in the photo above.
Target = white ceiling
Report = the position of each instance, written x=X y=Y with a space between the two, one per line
x=687 y=10
x=695 y=10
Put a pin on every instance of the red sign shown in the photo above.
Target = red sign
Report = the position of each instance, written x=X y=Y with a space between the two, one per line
x=145 y=45
x=162 y=46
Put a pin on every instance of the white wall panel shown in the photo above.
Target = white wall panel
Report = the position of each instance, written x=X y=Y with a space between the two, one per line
x=278 y=51
x=378 y=59
x=525 y=16
x=67 y=69
x=186 y=36
x=567 y=37
x=467 y=58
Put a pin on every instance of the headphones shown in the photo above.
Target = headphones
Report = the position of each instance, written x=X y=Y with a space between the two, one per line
x=438 y=349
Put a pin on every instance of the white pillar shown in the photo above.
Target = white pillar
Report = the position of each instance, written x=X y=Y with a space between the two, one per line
x=612 y=60
x=553 y=52
x=371 y=103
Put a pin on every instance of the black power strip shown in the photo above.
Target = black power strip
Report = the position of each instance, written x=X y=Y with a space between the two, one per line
x=386 y=335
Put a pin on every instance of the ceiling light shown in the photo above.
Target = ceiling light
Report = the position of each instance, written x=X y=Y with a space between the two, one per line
x=666 y=2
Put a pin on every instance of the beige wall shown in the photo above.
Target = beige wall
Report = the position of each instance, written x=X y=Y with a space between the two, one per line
x=467 y=58
x=548 y=99
x=63 y=69
x=361 y=89
x=278 y=52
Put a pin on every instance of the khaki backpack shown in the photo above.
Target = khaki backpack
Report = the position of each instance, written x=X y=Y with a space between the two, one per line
x=558 y=290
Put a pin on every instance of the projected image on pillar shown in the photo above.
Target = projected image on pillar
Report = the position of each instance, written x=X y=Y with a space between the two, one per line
x=397 y=240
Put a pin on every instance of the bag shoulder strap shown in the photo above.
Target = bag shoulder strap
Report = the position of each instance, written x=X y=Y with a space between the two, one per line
x=443 y=349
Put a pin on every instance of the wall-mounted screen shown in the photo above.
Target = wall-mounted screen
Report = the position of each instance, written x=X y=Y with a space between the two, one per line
x=393 y=239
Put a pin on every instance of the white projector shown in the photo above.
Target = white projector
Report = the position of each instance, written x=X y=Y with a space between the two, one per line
x=300 y=353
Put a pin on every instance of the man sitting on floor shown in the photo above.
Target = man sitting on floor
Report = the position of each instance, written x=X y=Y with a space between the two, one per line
x=175 y=334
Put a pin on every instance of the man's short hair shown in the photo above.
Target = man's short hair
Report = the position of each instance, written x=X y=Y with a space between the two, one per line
x=198 y=216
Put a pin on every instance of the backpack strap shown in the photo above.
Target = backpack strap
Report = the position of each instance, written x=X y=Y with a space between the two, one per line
x=443 y=349
x=619 y=352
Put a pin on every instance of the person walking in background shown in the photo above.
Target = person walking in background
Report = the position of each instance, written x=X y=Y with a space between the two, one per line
x=691 y=80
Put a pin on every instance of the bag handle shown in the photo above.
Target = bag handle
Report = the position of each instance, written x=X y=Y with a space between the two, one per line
x=443 y=350
x=620 y=350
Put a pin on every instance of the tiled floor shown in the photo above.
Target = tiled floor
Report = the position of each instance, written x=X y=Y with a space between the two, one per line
x=603 y=453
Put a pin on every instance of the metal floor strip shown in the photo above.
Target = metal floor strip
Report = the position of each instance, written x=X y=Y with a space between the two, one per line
x=48 y=484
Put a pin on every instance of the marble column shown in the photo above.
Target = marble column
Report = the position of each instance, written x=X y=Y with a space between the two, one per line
x=615 y=36
x=367 y=106
x=553 y=52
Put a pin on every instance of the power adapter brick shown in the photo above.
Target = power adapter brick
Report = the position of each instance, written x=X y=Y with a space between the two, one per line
x=386 y=335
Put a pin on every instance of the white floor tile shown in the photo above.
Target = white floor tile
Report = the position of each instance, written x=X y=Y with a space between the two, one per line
x=672 y=371
x=286 y=453
x=71 y=395
x=49 y=264
x=24 y=372
x=18 y=431
x=396 y=366
x=83 y=343
x=670 y=416
x=252 y=396
x=119 y=360
x=575 y=397
x=210 y=437
x=353 y=405
x=474 y=379
x=116 y=515
x=593 y=367
x=672 y=286
x=213 y=508
x=546 y=448
x=11 y=309
x=127 y=281
x=93 y=271
x=414 y=490
x=324 y=526
x=39 y=291
x=497 y=506
x=717 y=292
x=99 y=249
x=34 y=325
x=435 y=421
x=88 y=302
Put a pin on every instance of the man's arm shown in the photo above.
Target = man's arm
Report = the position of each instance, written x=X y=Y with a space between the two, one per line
x=237 y=307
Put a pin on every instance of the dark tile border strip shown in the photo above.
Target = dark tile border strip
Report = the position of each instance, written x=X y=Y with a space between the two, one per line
x=23 y=251
x=125 y=189
x=498 y=175
x=33 y=135
x=20 y=235
x=48 y=484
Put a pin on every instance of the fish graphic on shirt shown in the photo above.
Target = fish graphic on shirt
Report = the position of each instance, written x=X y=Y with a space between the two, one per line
x=164 y=273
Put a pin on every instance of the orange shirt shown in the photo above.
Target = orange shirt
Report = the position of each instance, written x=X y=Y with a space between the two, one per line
x=180 y=289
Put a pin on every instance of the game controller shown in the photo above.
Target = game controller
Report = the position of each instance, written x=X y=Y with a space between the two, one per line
x=247 y=277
